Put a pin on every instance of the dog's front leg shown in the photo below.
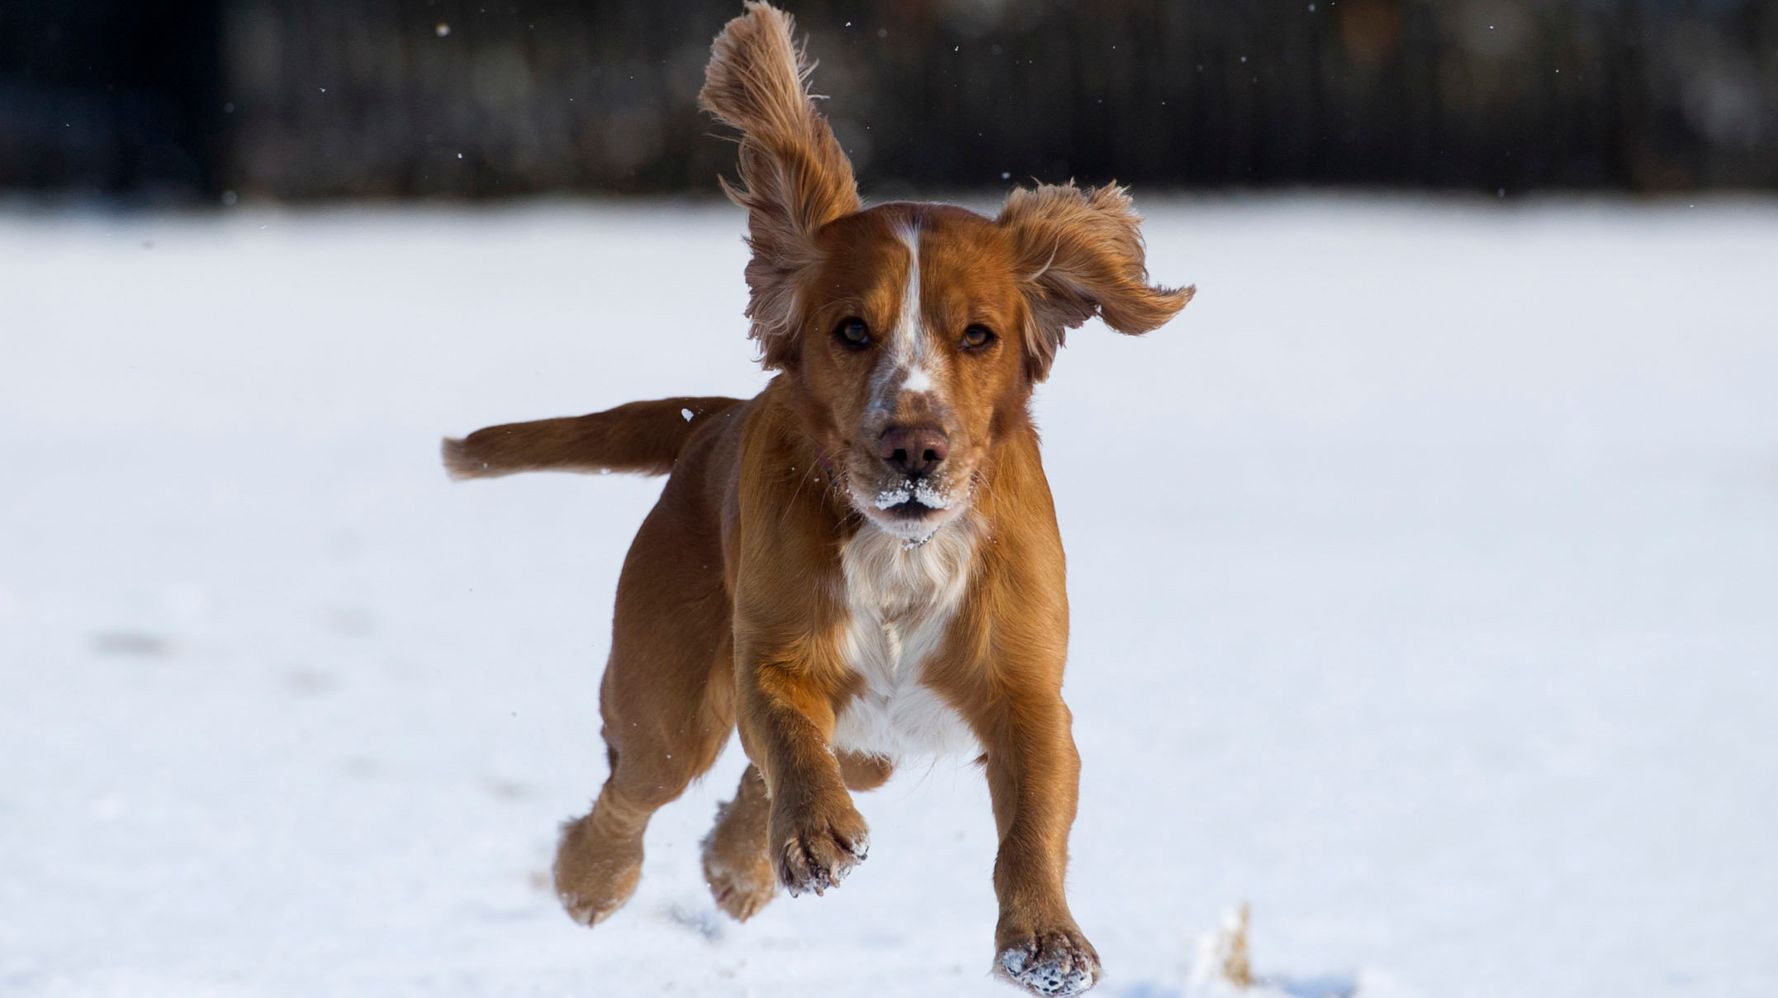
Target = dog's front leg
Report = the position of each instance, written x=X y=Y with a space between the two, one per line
x=815 y=835
x=1034 y=779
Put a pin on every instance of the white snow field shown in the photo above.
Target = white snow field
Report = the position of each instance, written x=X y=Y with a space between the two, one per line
x=1424 y=572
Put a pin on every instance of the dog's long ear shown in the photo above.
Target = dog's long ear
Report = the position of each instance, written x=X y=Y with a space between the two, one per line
x=1079 y=254
x=794 y=176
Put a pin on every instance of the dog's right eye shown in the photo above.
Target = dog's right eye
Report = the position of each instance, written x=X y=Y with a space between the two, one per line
x=852 y=333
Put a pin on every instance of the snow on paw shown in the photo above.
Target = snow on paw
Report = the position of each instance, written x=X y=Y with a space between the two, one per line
x=1050 y=963
x=816 y=852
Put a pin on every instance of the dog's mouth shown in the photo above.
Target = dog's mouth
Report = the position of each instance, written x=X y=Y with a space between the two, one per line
x=912 y=508
x=914 y=497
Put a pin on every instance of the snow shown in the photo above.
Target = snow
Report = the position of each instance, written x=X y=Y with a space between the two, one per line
x=929 y=496
x=917 y=490
x=889 y=498
x=1423 y=575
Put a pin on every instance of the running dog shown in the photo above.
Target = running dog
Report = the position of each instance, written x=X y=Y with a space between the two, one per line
x=861 y=563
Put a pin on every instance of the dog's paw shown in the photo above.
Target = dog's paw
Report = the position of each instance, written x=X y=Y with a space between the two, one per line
x=595 y=874
x=591 y=909
x=817 y=848
x=741 y=889
x=1059 y=962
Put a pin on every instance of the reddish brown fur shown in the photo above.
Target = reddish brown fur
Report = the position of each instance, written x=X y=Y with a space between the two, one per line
x=642 y=437
x=733 y=608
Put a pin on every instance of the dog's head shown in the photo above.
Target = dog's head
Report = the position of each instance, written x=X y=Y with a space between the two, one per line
x=912 y=333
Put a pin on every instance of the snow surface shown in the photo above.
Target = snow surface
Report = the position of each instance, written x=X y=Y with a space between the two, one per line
x=1424 y=572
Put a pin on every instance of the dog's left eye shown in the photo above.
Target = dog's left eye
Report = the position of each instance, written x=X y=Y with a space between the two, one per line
x=852 y=333
x=976 y=337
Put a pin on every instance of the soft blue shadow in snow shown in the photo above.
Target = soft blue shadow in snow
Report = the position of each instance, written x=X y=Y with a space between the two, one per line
x=1324 y=986
x=1320 y=986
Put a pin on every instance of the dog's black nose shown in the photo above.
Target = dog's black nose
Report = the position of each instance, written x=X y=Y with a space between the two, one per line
x=914 y=451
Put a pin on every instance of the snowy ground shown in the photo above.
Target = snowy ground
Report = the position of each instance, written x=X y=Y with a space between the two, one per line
x=1425 y=576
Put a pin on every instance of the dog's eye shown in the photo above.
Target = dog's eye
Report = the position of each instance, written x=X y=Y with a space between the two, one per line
x=852 y=333
x=976 y=337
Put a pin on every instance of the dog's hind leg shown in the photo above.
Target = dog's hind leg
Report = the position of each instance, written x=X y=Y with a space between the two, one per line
x=865 y=772
x=599 y=856
x=667 y=700
x=736 y=865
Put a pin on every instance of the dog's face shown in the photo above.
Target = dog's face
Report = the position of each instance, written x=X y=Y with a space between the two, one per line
x=910 y=356
x=918 y=330
x=911 y=333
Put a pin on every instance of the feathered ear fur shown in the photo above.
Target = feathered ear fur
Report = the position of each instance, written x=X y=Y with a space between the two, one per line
x=1079 y=253
x=794 y=176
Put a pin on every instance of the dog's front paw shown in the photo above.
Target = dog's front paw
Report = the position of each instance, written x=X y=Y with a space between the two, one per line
x=1057 y=962
x=814 y=848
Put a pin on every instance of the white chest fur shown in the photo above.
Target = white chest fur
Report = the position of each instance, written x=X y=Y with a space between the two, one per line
x=902 y=600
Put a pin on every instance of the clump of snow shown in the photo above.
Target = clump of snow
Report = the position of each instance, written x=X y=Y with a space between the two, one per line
x=920 y=490
x=928 y=495
x=893 y=496
x=686 y=414
x=1222 y=954
x=1223 y=968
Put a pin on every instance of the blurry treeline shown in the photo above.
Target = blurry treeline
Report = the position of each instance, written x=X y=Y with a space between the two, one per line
x=343 y=98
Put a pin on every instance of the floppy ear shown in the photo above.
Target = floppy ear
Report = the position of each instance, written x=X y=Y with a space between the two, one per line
x=1079 y=254
x=794 y=176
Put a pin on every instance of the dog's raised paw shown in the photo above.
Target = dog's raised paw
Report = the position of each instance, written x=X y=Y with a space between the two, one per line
x=1050 y=963
x=815 y=854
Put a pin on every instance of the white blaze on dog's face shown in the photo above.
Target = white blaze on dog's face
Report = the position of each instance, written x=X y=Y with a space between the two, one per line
x=912 y=356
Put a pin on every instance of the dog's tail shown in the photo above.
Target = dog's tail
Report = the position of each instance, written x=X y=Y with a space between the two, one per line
x=641 y=437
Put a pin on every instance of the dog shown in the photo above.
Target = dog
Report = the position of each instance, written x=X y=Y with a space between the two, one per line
x=860 y=564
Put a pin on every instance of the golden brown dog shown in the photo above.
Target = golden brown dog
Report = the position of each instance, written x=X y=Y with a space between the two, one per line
x=862 y=562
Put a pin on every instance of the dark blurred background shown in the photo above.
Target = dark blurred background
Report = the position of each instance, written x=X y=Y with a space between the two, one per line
x=315 y=99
